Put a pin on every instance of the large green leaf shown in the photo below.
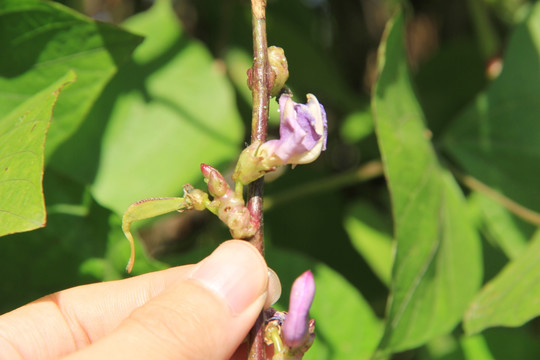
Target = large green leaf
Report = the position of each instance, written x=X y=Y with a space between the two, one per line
x=163 y=114
x=40 y=41
x=437 y=266
x=511 y=298
x=22 y=142
x=497 y=139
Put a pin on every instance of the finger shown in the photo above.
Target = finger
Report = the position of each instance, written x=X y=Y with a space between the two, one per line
x=205 y=316
x=66 y=321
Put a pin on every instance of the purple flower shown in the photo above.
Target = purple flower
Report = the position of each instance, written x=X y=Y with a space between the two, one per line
x=303 y=132
x=295 y=328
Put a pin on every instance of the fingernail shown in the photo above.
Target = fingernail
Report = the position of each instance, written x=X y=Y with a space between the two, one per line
x=274 y=289
x=236 y=272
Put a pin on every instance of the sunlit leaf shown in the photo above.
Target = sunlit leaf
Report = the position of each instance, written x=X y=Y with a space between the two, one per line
x=511 y=298
x=437 y=268
x=475 y=347
x=145 y=209
x=40 y=41
x=22 y=142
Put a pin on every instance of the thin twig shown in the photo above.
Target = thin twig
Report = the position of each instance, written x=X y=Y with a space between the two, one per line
x=366 y=172
x=517 y=209
x=259 y=83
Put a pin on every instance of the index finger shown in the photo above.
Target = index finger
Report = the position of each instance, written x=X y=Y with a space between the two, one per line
x=66 y=321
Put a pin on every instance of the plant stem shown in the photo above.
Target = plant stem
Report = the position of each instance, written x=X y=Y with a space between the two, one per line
x=485 y=32
x=260 y=88
x=517 y=209
x=259 y=83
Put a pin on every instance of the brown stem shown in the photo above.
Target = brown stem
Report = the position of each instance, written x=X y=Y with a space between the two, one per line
x=259 y=83
x=517 y=209
x=366 y=172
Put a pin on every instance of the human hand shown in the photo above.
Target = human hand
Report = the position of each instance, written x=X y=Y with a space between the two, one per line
x=201 y=311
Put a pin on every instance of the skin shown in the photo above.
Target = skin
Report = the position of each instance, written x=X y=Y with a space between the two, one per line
x=200 y=311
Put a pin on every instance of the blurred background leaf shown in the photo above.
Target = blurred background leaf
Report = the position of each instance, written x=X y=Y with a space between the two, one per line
x=497 y=138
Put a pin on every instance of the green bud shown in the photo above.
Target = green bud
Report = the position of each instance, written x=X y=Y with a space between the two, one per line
x=195 y=198
x=280 y=68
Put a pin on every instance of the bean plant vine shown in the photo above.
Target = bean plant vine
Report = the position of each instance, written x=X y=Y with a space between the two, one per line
x=303 y=136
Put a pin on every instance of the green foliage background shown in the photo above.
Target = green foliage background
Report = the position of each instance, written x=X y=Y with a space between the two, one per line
x=419 y=222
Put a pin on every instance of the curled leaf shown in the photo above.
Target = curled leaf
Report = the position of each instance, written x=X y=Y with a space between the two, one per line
x=145 y=209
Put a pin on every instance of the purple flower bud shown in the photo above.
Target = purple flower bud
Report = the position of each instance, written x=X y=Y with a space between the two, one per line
x=303 y=132
x=280 y=69
x=228 y=205
x=216 y=182
x=295 y=328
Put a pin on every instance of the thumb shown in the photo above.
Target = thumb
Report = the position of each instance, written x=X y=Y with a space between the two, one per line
x=204 y=316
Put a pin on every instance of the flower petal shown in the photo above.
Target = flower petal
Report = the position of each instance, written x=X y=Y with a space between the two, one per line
x=296 y=326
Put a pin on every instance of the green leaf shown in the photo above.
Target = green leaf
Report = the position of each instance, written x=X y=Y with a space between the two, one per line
x=437 y=266
x=40 y=41
x=511 y=298
x=516 y=343
x=164 y=113
x=357 y=126
x=22 y=140
x=370 y=237
x=348 y=331
x=475 y=348
x=497 y=139
x=502 y=228
x=447 y=82
x=145 y=209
